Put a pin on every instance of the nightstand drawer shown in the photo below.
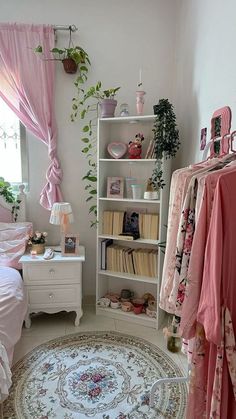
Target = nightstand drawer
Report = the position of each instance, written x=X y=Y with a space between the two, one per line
x=50 y=296
x=53 y=271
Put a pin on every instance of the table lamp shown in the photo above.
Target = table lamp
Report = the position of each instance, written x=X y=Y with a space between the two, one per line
x=61 y=214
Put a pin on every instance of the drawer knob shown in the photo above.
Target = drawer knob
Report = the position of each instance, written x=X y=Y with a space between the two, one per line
x=52 y=271
x=51 y=295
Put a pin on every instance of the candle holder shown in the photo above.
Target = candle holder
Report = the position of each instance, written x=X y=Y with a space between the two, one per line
x=140 y=101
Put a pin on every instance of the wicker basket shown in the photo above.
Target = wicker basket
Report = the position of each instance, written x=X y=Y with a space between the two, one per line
x=39 y=247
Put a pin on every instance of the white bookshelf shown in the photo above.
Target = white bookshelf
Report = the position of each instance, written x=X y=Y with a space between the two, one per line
x=124 y=129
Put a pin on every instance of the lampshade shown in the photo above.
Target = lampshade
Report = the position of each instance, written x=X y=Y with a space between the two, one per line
x=61 y=214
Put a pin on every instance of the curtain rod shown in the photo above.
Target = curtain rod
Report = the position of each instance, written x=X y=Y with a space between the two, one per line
x=71 y=28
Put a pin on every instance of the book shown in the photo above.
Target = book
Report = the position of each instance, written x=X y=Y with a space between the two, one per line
x=104 y=244
x=131 y=223
x=117 y=226
x=107 y=222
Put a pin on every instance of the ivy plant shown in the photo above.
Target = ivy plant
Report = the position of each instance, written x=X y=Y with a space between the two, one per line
x=86 y=106
x=166 y=137
x=9 y=196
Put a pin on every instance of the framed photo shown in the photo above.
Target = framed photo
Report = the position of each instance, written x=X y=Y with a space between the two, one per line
x=115 y=187
x=70 y=244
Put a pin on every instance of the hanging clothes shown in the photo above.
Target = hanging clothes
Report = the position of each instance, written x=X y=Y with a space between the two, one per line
x=215 y=369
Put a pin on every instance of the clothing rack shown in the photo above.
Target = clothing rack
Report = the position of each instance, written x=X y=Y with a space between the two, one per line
x=224 y=138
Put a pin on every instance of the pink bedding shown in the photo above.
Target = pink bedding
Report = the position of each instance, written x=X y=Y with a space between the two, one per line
x=13 y=307
x=13 y=241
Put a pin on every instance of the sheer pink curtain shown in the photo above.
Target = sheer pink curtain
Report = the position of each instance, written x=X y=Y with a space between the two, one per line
x=27 y=86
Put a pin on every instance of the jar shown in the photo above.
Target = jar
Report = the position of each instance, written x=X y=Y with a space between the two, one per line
x=124 y=109
x=38 y=247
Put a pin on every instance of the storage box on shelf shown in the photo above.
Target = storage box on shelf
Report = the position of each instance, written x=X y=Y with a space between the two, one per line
x=122 y=260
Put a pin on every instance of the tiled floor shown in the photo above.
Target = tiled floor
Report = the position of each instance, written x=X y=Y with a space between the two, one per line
x=48 y=326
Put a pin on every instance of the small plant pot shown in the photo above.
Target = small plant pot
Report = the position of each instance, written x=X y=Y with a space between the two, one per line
x=108 y=107
x=38 y=247
x=151 y=195
x=69 y=65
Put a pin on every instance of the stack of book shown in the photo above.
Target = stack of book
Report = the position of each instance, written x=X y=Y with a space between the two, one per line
x=113 y=222
x=149 y=226
x=141 y=261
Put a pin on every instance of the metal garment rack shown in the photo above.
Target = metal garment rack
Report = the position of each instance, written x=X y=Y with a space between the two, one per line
x=167 y=380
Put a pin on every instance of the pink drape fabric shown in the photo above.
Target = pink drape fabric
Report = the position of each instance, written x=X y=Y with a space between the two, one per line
x=27 y=86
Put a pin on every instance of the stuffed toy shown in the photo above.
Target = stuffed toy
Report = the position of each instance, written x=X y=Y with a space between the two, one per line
x=135 y=147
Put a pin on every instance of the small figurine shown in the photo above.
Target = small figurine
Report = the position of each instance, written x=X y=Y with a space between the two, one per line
x=135 y=147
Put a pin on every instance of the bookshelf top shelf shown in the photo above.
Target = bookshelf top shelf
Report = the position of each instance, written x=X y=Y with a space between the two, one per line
x=131 y=119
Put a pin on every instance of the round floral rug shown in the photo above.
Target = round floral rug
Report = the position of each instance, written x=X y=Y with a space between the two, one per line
x=103 y=375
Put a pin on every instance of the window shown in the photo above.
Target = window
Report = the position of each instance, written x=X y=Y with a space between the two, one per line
x=13 y=154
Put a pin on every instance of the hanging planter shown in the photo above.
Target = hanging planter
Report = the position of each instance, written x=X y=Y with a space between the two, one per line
x=71 y=57
x=69 y=65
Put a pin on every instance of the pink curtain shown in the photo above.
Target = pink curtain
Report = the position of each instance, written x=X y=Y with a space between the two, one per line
x=27 y=86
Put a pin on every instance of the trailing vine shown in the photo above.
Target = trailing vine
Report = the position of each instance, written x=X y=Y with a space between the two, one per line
x=166 y=138
x=85 y=105
x=8 y=194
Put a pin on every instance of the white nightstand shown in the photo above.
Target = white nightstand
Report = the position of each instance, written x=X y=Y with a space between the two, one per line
x=53 y=285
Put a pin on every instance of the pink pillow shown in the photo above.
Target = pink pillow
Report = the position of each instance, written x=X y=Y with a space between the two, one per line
x=13 y=241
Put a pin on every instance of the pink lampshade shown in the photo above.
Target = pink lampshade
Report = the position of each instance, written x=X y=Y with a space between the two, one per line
x=61 y=214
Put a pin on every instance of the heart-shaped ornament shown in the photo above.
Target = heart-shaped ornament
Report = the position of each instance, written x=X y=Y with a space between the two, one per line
x=117 y=149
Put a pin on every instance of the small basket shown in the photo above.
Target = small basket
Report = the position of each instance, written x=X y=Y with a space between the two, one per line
x=38 y=247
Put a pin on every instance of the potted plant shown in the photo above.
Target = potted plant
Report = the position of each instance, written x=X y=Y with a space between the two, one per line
x=8 y=194
x=166 y=140
x=85 y=104
x=37 y=241
x=71 y=57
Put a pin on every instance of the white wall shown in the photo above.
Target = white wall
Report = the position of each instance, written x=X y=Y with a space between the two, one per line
x=205 y=69
x=120 y=37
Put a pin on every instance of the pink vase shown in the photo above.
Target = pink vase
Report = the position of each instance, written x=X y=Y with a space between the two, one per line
x=140 y=101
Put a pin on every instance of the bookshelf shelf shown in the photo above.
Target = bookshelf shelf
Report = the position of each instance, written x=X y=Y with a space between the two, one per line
x=140 y=241
x=118 y=314
x=135 y=161
x=140 y=201
x=131 y=277
x=114 y=214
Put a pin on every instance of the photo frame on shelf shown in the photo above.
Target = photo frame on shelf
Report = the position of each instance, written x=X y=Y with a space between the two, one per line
x=70 y=244
x=115 y=187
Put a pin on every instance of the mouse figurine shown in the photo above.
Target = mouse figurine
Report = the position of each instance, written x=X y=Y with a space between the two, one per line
x=135 y=147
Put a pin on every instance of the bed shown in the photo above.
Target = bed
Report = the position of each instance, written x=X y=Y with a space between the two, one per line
x=13 y=304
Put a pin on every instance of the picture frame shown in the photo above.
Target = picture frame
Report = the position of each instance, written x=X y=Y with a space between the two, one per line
x=115 y=187
x=70 y=244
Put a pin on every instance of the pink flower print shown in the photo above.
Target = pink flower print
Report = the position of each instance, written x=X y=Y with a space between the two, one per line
x=185 y=214
x=42 y=391
x=94 y=392
x=189 y=228
x=181 y=293
x=97 y=377
x=84 y=377
x=188 y=244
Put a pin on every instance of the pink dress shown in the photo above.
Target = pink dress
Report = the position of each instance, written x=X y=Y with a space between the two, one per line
x=218 y=293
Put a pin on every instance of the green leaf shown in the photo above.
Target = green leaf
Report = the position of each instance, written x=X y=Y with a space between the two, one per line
x=92 y=208
x=93 y=192
x=86 y=128
x=85 y=140
x=89 y=198
x=38 y=49
x=92 y=178
x=85 y=150
x=83 y=113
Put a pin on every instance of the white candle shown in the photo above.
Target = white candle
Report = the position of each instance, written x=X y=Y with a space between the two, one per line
x=140 y=76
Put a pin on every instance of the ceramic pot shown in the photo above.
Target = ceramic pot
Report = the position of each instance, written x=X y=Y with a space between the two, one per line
x=38 y=247
x=108 y=107
x=69 y=65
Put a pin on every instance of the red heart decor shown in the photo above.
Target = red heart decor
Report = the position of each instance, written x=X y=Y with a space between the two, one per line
x=117 y=149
